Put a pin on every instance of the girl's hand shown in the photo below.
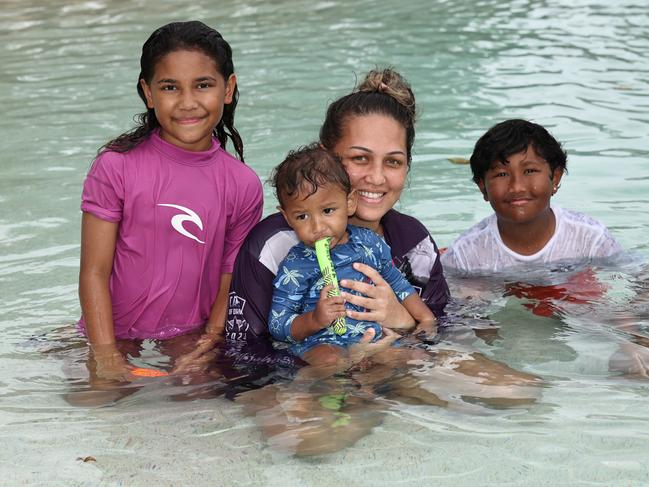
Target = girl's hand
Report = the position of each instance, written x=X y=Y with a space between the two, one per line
x=110 y=364
x=379 y=300
x=328 y=308
x=198 y=359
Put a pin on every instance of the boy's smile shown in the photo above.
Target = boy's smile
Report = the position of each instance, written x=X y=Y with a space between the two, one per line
x=519 y=191
x=322 y=214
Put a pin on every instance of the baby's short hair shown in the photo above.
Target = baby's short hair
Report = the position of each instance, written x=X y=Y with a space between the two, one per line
x=307 y=169
x=511 y=137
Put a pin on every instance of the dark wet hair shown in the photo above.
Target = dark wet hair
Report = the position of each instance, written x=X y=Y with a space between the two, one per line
x=178 y=36
x=308 y=168
x=511 y=137
x=383 y=92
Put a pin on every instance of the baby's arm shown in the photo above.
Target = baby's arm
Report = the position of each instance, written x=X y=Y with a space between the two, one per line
x=98 y=239
x=326 y=311
x=287 y=321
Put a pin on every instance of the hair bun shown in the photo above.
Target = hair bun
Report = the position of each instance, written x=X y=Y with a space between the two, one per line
x=391 y=83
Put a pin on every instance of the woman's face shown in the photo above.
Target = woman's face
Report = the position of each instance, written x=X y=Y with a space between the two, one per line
x=373 y=151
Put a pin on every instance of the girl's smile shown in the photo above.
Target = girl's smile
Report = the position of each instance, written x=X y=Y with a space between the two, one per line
x=188 y=93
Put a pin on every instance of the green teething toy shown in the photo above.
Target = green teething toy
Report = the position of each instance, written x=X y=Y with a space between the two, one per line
x=339 y=325
x=335 y=402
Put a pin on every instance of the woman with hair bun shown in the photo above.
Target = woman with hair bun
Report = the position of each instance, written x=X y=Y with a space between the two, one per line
x=372 y=129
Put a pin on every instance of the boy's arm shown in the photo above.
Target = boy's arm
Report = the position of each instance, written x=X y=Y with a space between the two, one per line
x=98 y=239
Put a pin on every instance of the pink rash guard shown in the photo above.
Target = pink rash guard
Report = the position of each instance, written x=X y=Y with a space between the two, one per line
x=182 y=217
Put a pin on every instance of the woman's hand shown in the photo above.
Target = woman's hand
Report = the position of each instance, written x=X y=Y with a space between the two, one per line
x=378 y=299
x=356 y=353
x=426 y=329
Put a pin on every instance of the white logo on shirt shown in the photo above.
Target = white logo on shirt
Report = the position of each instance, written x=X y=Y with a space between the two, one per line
x=178 y=220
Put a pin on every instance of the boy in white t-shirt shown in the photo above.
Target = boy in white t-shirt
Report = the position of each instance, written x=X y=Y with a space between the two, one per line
x=518 y=167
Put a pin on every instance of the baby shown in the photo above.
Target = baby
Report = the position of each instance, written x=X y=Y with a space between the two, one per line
x=316 y=198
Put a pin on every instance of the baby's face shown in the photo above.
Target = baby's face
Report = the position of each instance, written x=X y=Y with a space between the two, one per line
x=519 y=190
x=322 y=214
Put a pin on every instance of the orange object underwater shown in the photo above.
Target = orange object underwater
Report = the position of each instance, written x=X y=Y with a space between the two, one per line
x=142 y=372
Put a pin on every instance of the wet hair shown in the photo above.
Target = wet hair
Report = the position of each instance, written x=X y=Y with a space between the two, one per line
x=180 y=36
x=382 y=92
x=307 y=169
x=511 y=137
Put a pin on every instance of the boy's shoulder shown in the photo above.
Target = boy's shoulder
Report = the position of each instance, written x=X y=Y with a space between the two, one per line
x=478 y=233
x=575 y=218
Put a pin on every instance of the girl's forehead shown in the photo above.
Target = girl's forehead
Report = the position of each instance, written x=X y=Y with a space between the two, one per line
x=186 y=60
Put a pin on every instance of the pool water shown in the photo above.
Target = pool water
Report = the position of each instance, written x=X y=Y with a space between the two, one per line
x=580 y=68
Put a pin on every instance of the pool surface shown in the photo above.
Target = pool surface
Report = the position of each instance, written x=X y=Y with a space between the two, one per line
x=579 y=67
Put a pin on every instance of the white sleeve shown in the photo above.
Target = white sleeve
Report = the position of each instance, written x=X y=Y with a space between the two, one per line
x=606 y=246
x=451 y=260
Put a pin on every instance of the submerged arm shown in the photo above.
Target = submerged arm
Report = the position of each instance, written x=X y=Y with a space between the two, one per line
x=98 y=239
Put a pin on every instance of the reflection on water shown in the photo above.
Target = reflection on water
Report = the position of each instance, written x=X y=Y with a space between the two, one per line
x=68 y=85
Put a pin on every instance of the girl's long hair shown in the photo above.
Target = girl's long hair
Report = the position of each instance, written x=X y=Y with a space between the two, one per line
x=192 y=36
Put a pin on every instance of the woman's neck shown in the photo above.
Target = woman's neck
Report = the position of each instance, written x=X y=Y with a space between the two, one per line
x=530 y=237
x=375 y=226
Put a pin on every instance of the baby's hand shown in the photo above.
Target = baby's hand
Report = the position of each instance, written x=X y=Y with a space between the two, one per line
x=328 y=308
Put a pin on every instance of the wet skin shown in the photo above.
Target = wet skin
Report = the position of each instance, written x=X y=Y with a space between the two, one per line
x=373 y=151
x=519 y=191
x=187 y=93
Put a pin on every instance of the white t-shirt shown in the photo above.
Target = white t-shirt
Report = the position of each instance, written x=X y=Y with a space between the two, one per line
x=577 y=237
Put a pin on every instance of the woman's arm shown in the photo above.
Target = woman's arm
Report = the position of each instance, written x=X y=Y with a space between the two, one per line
x=98 y=239
x=378 y=299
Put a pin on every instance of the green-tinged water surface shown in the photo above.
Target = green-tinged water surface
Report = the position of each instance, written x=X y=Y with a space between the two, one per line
x=68 y=72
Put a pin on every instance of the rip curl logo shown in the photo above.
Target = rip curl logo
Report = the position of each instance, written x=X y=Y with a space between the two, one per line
x=178 y=220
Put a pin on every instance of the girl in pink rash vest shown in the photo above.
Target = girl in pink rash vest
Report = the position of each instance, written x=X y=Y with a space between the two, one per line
x=166 y=208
